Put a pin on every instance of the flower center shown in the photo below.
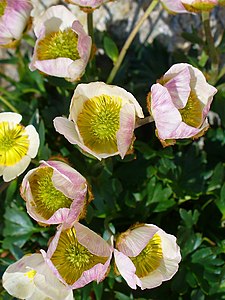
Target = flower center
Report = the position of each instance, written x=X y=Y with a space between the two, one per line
x=98 y=123
x=14 y=143
x=30 y=274
x=3 y=5
x=58 y=44
x=192 y=113
x=46 y=198
x=71 y=258
x=150 y=257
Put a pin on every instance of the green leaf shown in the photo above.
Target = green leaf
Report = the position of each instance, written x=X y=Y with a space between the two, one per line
x=98 y=289
x=110 y=48
x=220 y=202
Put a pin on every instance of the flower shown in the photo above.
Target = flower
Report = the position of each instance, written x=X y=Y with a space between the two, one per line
x=54 y=193
x=62 y=48
x=88 y=4
x=146 y=256
x=180 y=6
x=102 y=119
x=78 y=256
x=14 y=17
x=30 y=278
x=179 y=103
x=18 y=144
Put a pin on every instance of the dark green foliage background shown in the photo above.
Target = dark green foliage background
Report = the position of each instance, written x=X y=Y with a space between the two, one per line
x=180 y=189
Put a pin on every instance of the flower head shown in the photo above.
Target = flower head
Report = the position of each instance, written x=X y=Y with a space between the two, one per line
x=31 y=278
x=78 y=256
x=62 y=48
x=102 y=119
x=195 y=6
x=14 y=17
x=146 y=256
x=180 y=102
x=54 y=193
x=88 y=4
x=18 y=144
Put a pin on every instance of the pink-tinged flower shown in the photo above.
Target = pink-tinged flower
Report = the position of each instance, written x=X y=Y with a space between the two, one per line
x=30 y=278
x=18 y=144
x=179 y=103
x=146 y=256
x=102 y=119
x=14 y=18
x=55 y=193
x=78 y=256
x=88 y=4
x=62 y=48
x=180 y=6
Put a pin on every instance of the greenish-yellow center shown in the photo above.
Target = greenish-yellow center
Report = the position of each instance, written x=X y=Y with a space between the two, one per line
x=46 y=198
x=30 y=274
x=192 y=113
x=98 y=123
x=71 y=258
x=150 y=257
x=3 y=5
x=58 y=44
x=14 y=143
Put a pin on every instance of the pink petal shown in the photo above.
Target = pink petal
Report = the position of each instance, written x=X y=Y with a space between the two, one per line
x=166 y=115
x=127 y=269
x=174 y=6
x=179 y=88
x=126 y=130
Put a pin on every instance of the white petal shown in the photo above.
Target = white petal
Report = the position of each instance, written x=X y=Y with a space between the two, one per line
x=10 y=117
x=33 y=139
x=11 y=172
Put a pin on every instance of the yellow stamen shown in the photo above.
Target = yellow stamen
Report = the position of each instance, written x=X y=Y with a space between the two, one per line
x=30 y=274
x=46 y=198
x=58 y=44
x=14 y=143
x=71 y=258
x=150 y=257
x=98 y=123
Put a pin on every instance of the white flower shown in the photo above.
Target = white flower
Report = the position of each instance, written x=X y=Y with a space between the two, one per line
x=18 y=144
x=102 y=119
x=62 y=48
x=30 y=278
x=146 y=256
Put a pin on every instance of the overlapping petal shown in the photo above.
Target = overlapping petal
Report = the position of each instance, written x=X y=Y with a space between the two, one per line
x=18 y=144
x=13 y=21
x=153 y=259
x=55 y=193
x=102 y=119
x=62 y=48
x=30 y=278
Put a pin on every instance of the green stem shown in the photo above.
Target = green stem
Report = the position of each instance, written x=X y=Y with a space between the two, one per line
x=8 y=104
x=213 y=54
x=146 y=120
x=90 y=25
x=130 y=40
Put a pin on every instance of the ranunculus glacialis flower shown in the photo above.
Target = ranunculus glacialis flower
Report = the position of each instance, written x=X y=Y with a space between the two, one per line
x=195 y=6
x=78 y=256
x=90 y=4
x=30 y=278
x=62 y=48
x=18 y=144
x=145 y=256
x=55 y=193
x=102 y=119
x=180 y=102
x=14 y=18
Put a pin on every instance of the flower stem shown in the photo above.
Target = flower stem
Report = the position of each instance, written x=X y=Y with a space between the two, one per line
x=129 y=41
x=8 y=104
x=90 y=25
x=213 y=53
x=141 y=122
